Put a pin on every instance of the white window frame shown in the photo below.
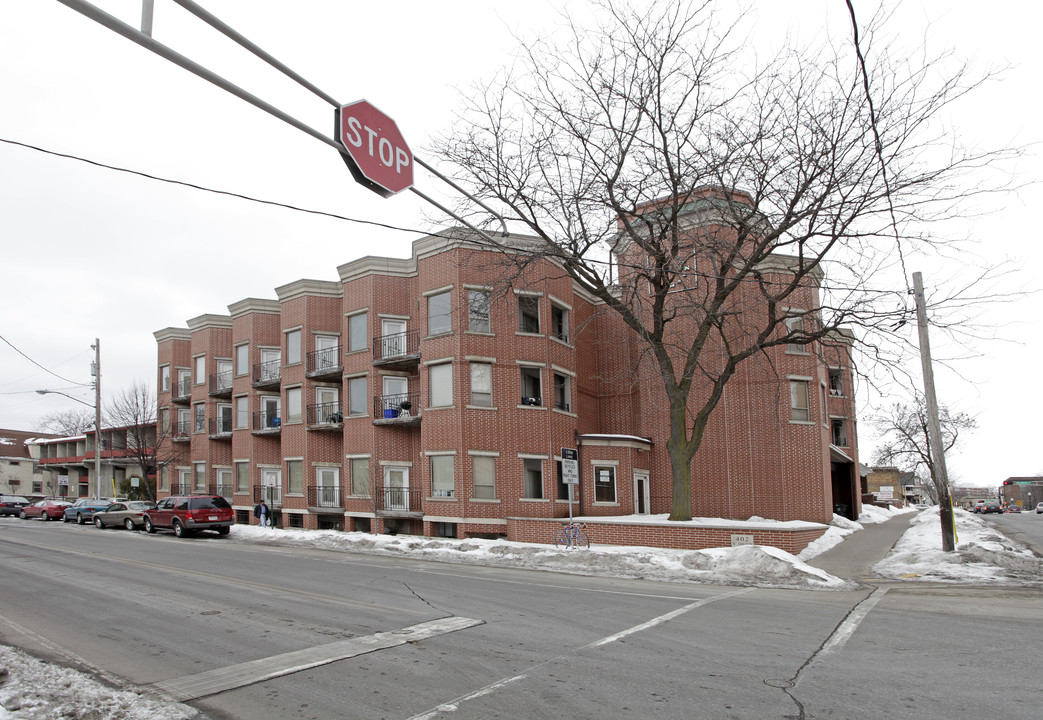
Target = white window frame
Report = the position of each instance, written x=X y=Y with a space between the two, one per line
x=481 y=384
x=440 y=385
x=443 y=474
x=800 y=413
x=294 y=346
x=294 y=404
x=358 y=335
x=242 y=359
x=478 y=315
x=440 y=320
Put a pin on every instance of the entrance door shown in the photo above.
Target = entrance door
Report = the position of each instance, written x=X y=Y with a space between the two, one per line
x=224 y=375
x=396 y=488
x=326 y=347
x=396 y=391
x=393 y=340
x=271 y=486
x=327 y=407
x=642 y=493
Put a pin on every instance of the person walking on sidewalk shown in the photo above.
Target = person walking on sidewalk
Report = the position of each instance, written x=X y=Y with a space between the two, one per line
x=262 y=514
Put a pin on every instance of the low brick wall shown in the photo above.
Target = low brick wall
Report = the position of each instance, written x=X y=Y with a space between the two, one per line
x=666 y=534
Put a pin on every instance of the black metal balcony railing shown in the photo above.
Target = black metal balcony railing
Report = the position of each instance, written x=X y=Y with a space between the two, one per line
x=182 y=428
x=182 y=390
x=225 y=490
x=221 y=383
x=271 y=495
x=220 y=425
x=324 y=496
x=396 y=347
x=325 y=414
x=264 y=420
x=397 y=499
x=267 y=373
x=320 y=362
x=399 y=406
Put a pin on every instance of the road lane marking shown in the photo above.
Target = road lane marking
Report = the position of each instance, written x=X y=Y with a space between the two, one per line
x=454 y=704
x=192 y=687
x=847 y=628
x=664 y=618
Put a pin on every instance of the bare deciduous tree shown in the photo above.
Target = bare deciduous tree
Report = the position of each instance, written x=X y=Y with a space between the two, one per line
x=66 y=422
x=603 y=145
x=135 y=409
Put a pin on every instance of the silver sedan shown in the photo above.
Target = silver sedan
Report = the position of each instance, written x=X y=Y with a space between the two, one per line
x=130 y=514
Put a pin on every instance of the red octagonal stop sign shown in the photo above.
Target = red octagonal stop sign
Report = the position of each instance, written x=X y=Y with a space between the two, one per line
x=378 y=155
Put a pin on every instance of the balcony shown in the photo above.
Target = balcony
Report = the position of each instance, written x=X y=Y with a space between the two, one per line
x=270 y=494
x=182 y=431
x=221 y=384
x=324 y=496
x=265 y=423
x=181 y=393
x=267 y=374
x=399 y=502
x=221 y=428
x=397 y=350
x=324 y=363
x=396 y=409
x=325 y=416
x=225 y=490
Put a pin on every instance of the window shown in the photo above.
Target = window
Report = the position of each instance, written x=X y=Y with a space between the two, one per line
x=184 y=422
x=836 y=382
x=327 y=352
x=242 y=359
x=478 y=311
x=184 y=382
x=295 y=476
x=481 y=384
x=443 y=482
x=839 y=428
x=530 y=386
x=528 y=314
x=164 y=479
x=164 y=378
x=439 y=319
x=242 y=476
x=360 y=476
x=357 y=332
x=164 y=421
x=800 y=409
x=293 y=405
x=242 y=412
x=200 y=376
x=562 y=392
x=200 y=413
x=327 y=490
x=357 y=396
x=199 y=474
x=224 y=483
x=271 y=412
x=441 y=385
x=293 y=347
x=484 y=477
x=224 y=418
x=795 y=326
x=559 y=322
x=533 y=479
x=604 y=484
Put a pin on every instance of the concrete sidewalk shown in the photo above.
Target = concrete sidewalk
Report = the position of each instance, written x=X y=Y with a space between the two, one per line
x=854 y=558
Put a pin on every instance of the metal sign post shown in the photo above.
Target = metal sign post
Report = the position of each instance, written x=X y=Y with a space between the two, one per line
x=570 y=472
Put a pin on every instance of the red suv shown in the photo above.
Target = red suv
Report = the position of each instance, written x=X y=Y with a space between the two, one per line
x=186 y=513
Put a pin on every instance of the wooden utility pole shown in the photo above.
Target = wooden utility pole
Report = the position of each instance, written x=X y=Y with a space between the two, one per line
x=938 y=472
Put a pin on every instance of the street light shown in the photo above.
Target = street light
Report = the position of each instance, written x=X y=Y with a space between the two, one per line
x=96 y=371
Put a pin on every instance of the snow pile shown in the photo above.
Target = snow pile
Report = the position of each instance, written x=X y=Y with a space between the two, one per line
x=36 y=690
x=752 y=565
x=982 y=556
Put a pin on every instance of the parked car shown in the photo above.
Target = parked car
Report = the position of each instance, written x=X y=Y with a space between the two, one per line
x=186 y=513
x=44 y=510
x=12 y=504
x=978 y=506
x=83 y=509
x=992 y=507
x=128 y=513
x=1013 y=508
x=1039 y=508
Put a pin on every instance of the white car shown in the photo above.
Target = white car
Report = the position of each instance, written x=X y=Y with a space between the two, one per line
x=1039 y=508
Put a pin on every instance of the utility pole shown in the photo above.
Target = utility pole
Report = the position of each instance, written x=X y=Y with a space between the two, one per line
x=938 y=472
x=96 y=372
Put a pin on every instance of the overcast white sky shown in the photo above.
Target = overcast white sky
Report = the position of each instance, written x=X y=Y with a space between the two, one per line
x=88 y=252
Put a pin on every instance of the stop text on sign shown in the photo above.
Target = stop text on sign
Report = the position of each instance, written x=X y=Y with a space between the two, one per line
x=377 y=154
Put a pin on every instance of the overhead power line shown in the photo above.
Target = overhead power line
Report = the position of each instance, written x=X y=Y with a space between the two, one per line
x=49 y=372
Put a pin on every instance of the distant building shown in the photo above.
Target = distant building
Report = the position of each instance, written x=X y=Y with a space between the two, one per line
x=1025 y=492
x=891 y=486
x=67 y=463
x=20 y=474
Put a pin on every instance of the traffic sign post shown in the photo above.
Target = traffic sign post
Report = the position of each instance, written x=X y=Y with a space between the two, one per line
x=570 y=472
x=377 y=155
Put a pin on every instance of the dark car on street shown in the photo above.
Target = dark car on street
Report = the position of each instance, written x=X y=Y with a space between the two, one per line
x=185 y=514
x=83 y=510
x=12 y=504
x=992 y=507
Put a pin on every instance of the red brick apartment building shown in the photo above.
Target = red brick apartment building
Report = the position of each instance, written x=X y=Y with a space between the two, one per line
x=429 y=395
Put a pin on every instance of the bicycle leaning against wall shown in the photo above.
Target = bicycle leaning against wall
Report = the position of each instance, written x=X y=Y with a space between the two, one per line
x=571 y=535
